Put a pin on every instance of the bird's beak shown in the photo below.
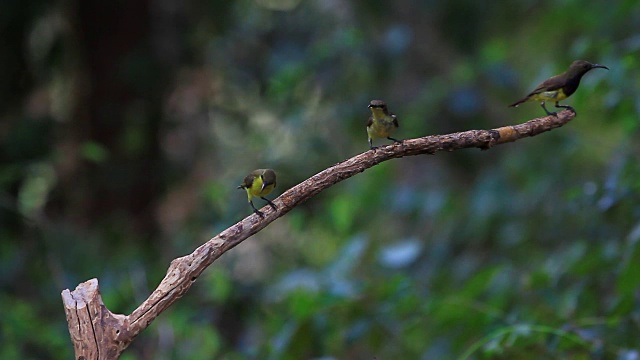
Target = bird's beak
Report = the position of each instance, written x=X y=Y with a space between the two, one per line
x=599 y=66
x=369 y=106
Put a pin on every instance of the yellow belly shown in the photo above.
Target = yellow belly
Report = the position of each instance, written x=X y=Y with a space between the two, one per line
x=555 y=95
x=257 y=190
x=380 y=129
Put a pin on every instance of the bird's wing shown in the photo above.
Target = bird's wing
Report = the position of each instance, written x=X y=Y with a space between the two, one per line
x=370 y=121
x=268 y=178
x=552 y=83
x=395 y=120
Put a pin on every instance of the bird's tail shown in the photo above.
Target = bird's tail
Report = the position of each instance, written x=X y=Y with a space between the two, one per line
x=515 y=104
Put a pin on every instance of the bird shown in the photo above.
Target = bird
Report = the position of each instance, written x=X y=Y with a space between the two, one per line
x=560 y=87
x=382 y=124
x=259 y=183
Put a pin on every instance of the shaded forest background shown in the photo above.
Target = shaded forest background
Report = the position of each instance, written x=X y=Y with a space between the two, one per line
x=125 y=128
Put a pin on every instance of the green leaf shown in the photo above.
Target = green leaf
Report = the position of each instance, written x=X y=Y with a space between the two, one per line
x=94 y=152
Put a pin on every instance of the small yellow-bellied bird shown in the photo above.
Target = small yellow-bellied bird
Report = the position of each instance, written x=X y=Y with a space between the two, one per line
x=259 y=183
x=382 y=124
x=560 y=87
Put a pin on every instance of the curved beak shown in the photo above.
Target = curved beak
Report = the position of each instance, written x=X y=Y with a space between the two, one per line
x=593 y=66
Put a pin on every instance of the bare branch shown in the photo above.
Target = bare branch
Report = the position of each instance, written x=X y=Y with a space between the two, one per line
x=99 y=334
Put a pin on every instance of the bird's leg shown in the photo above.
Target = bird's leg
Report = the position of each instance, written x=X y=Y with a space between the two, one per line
x=549 y=113
x=566 y=107
x=371 y=145
x=394 y=140
x=273 y=206
x=258 y=212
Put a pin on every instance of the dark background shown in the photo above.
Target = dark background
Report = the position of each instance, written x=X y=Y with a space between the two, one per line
x=125 y=128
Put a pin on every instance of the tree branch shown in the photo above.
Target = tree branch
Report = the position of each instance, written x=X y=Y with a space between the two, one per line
x=97 y=333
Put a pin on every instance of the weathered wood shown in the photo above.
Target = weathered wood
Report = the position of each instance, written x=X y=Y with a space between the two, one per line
x=97 y=333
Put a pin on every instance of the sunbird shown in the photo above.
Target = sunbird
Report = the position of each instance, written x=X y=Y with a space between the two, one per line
x=382 y=124
x=560 y=87
x=259 y=183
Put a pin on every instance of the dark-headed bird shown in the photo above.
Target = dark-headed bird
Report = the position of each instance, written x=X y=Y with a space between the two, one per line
x=560 y=87
x=382 y=124
x=259 y=183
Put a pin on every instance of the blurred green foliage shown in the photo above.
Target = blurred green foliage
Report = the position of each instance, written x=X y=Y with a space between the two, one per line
x=125 y=128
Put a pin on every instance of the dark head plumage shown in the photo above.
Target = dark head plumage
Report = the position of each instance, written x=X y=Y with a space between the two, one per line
x=377 y=104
